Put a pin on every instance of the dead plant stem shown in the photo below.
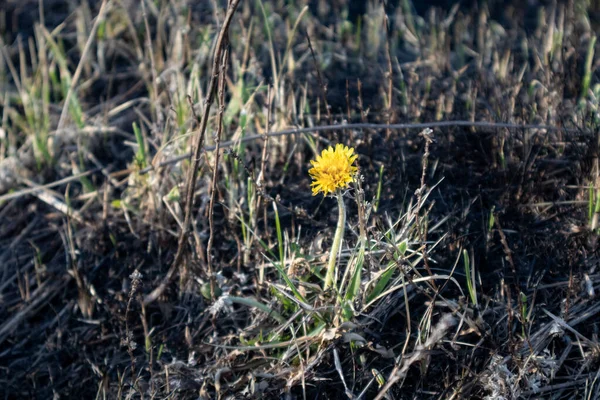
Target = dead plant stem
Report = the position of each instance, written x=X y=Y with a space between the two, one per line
x=390 y=76
x=423 y=230
x=372 y=126
x=195 y=161
x=213 y=190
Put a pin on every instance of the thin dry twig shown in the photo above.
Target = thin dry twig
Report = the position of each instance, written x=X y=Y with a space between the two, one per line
x=389 y=73
x=371 y=126
x=198 y=145
x=40 y=188
x=426 y=134
x=263 y=158
x=128 y=340
x=213 y=186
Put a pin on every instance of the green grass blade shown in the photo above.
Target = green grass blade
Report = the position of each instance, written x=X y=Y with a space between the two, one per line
x=354 y=286
x=256 y=304
x=383 y=281
x=278 y=266
x=140 y=157
x=470 y=277
x=279 y=234
x=379 y=185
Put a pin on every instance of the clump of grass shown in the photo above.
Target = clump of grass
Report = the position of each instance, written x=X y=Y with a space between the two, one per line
x=325 y=302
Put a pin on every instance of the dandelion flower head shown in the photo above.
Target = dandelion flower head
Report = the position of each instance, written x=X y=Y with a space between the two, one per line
x=333 y=169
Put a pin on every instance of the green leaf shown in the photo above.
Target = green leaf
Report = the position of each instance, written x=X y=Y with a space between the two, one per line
x=382 y=282
x=403 y=246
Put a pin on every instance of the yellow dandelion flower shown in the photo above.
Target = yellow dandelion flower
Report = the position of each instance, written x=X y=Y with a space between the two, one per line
x=333 y=169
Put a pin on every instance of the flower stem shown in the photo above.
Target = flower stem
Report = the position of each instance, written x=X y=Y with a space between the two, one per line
x=337 y=242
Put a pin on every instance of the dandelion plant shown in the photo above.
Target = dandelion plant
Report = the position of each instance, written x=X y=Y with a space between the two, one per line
x=333 y=171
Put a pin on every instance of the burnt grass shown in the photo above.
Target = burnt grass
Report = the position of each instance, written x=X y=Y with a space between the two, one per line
x=72 y=320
